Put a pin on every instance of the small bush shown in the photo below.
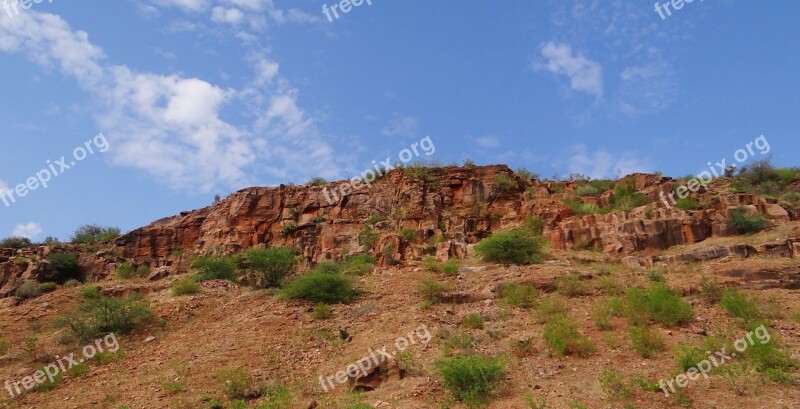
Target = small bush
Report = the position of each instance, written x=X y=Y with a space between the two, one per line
x=687 y=204
x=519 y=295
x=745 y=222
x=72 y=283
x=92 y=233
x=432 y=290
x=125 y=271
x=474 y=321
x=288 y=229
x=740 y=306
x=647 y=341
x=99 y=316
x=656 y=275
x=409 y=234
x=586 y=191
x=48 y=287
x=688 y=356
x=15 y=243
x=460 y=342
x=526 y=174
x=322 y=312
x=710 y=290
x=65 y=266
x=272 y=264
x=317 y=181
x=4 y=346
x=549 y=310
x=471 y=379
x=659 y=303
x=215 y=268
x=511 y=247
x=319 y=286
x=570 y=285
x=236 y=383
x=91 y=293
x=29 y=289
x=185 y=286
x=614 y=385
x=275 y=397
x=504 y=184
x=360 y=264
x=368 y=237
x=563 y=338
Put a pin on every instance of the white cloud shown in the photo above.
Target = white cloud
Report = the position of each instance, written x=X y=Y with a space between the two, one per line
x=188 y=5
x=232 y=16
x=3 y=187
x=29 y=230
x=585 y=75
x=403 y=126
x=486 y=141
x=599 y=164
x=170 y=126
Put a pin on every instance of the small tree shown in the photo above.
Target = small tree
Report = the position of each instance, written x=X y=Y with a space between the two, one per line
x=516 y=246
x=745 y=222
x=64 y=266
x=92 y=233
x=272 y=264
x=15 y=242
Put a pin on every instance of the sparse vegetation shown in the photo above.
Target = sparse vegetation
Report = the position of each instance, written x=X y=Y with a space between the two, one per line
x=659 y=303
x=474 y=321
x=647 y=341
x=563 y=338
x=322 y=287
x=360 y=264
x=215 y=268
x=92 y=233
x=432 y=290
x=686 y=203
x=570 y=285
x=185 y=286
x=518 y=295
x=99 y=316
x=65 y=266
x=504 y=184
x=29 y=289
x=322 y=311
x=471 y=379
x=746 y=222
x=517 y=246
x=15 y=242
x=271 y=264
x=368 y=237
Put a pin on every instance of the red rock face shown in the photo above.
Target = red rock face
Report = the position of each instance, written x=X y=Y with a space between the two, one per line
x=458 y=205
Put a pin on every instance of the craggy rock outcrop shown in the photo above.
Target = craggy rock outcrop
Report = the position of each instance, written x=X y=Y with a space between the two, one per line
x=445 y=208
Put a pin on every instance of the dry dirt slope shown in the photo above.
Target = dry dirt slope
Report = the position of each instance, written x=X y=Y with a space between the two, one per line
x=277 y=340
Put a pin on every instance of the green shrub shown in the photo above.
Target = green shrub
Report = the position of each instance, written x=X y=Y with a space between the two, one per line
x=659 y=303
x=570 y=285
x=768 y=356
x=549 y=310
x=409 y=234
x=740 y=306
x=15 y=242
x=710 y=290
x=613 y=383
x=48 y=287
x=519 y=295
x=586 y=191
x=471 y=379
x=185 y=286
x=450 y=267
x=686 y=203
x=432 y=290
x=72 y=283
x=688 y=356
x=65 y=266
x=647 y=341
x=745 y=222
x=602 y=314
x=271 y=264
x=275 y=397
x=577 y=207
x=215 y=268
x=288 y=229
x=236 y=383
x=656 y=275
x=99 y=316
x=504 y=184
x=360 y=264
x=562 y=336
x=460 y=342
x=91 y=293
x=79 y=370
x=526 y=174
x=29 y=289
x=322 y=287
x=92 y=233
x=125 y=271
x=368 y=237
x=322 y=311
x=317 y=181
x=511 y=247
x=474 y=321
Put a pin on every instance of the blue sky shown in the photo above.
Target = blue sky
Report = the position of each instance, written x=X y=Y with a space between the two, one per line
x=204 y=97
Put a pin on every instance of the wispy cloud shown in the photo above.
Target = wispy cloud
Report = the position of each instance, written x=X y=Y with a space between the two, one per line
x=486 y=141
x=584 y=74
x=403 y=126
x=171 y=126
x=599 y=163
x=29 y=230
